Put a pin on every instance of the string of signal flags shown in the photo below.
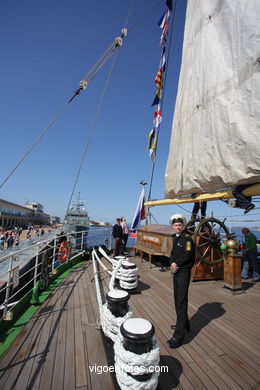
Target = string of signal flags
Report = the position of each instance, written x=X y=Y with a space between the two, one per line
x=163 y=23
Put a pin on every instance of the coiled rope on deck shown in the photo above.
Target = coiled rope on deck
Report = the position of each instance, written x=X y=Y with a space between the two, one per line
x=128 y=365
x=110 y=324
x=128 y=278
x=127 y=362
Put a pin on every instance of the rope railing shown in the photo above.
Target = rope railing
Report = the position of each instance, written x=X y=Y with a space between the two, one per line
x=134 y=369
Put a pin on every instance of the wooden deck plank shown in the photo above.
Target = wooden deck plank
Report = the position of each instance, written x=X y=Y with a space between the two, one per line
x=63 y=339
x=80 y=362
x=23 y=360
x=52 y=345
x=48 y=337
x=69 y=362
x=59 y=362
x=229 y=382
x=193 y=353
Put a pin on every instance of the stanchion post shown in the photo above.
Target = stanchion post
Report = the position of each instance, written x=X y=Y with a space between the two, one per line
x=8 y=287
x=53 y=254
x=81 y=245
x=36 y=265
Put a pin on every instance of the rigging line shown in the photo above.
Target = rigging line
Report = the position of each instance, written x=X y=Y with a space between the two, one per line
x=154 y=218
x=129 y=13
x=162 y=99
x=238 y=215
x=101 y=65
x=92 y=129
x=99 y=60
x=37 y=140
x=114 y=46
x=110 y=48
x=144 y=16
x=190 y=212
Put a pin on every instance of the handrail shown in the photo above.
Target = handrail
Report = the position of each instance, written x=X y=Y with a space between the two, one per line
x=36 y=253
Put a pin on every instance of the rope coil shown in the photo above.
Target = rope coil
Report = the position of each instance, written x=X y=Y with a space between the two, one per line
x=111 y=324
x=128 y=285
x=128 y=278
x=127 y=362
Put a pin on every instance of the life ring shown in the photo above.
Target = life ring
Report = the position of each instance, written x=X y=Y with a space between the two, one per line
x=63 y=252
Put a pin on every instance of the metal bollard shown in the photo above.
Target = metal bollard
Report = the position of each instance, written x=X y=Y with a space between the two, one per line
x=137 y=335
x=117 y=302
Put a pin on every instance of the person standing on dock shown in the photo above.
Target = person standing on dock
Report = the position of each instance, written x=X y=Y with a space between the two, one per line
x=125 y=232
x=182 y=259
x=117 y=233
x=2 y=241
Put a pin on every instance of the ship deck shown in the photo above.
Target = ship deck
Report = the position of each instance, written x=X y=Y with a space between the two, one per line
x=63 y=339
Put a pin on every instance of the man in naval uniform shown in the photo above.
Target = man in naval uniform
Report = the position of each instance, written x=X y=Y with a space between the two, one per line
x=182 y=259
x=117 y=233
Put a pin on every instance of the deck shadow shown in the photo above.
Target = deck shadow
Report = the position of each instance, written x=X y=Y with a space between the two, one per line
x=247 y=285
x=169 y=380
x=204 y=315
x=109 y=351
x=143 y=286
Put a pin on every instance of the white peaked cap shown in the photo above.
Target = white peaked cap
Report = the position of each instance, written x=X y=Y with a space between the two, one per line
x=177 y=218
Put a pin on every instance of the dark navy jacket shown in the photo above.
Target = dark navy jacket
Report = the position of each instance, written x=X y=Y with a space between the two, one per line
x=117 y=231
x=183 y=250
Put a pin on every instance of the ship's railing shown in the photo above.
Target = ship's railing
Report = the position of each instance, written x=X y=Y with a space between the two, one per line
x=26 y=244
x=21 y=269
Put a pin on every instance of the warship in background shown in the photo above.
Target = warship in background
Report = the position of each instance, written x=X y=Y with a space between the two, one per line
x=76 y=223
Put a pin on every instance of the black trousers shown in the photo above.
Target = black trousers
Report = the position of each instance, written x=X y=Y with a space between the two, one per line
x=181 y=281
x=125 y=241
x=202 y=206
x=242 y=201
x=118 y=242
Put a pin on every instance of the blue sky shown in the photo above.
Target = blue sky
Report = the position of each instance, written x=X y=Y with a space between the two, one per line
x=46 y=49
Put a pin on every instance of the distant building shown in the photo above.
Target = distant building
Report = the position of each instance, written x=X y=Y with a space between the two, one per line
x=12 y=214
x=40 y=217
x=37 y=207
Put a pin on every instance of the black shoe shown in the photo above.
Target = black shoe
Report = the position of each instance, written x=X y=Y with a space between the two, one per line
x=186 y=330
x=249 y=208
x=175 y=343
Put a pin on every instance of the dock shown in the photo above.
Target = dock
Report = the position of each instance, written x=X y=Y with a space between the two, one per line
x=62 y=344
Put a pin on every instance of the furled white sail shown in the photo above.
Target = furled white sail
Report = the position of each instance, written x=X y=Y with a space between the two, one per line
x=215 y=139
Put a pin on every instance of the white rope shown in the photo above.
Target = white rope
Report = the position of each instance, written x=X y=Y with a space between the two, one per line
x=100 y=262
x=128 y=285
x=127 y=362
x=99 y=298
x=114 y=273
x=128 y=278
x=127 y=274
x=101 y=250
x=111 y=324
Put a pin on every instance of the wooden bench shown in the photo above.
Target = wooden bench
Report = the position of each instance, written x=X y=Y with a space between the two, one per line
x=142 y=249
